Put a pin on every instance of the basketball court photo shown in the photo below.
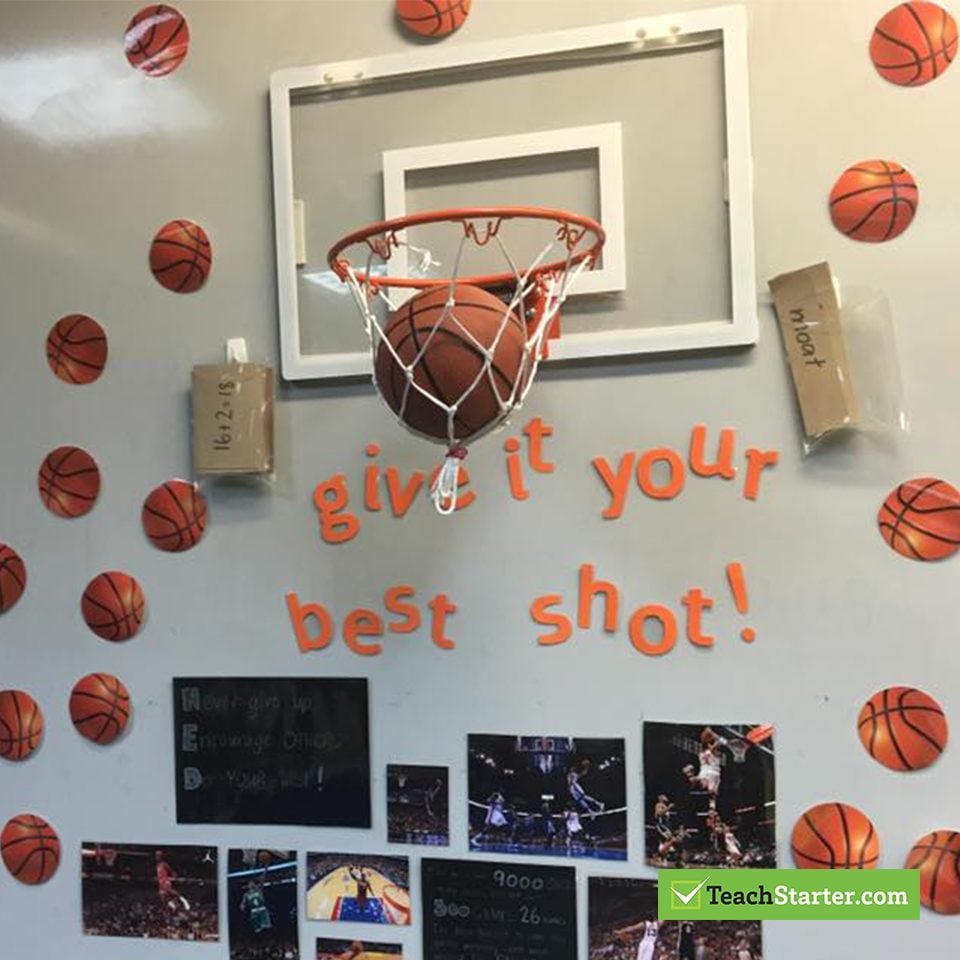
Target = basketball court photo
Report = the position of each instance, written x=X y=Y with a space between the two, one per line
x=550 y=796
x=149 y=891
x=623 y=925
x=709 y=797
x=418 y=805
x=263 y=904
x=328 y=949
x=359 y=888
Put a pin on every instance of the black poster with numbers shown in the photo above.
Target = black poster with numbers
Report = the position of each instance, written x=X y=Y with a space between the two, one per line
x=485 y=910
x=272 y=750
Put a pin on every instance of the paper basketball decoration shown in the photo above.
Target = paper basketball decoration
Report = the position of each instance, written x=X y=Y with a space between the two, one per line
x=175 y=515
x=13 y=577
x=921 y=519
x=874 y=201
x=30 y=848
x=113 y=606
x=100 y=707
x=433 y=18
x=903 y=728
x=914 y=43
x=69 y=482
x=157 y=40
x=180 y=256
x=21 y=724
x=937 y=857
x=835 y=836
x=77 y=349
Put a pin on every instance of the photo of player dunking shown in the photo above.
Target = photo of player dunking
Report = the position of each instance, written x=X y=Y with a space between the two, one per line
x=262 y=895
x=137 y=890
x=329 y=949
x=361 y=888
x=417 y=805
x=623 y=925
x=709 y=795
x=560 y=796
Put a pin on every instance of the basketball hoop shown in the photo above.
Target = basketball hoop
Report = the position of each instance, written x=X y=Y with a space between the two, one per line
x=738 y=750
x=454 y=356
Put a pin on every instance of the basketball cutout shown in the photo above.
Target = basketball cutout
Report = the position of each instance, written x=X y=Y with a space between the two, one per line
x=445 y=350
x=937 y=857
x=13 y=577
x=914 y=43
x=30 y=848
x=921 y=519
x=69 y=482
x=903 y=728
x=433 y=18
x=874 y=201
x=835 y=836
x=175 y=516
x=113 y=606
x=157 y=40
x=77 y=349
x=180 y=256
x=21 y=725
x=100 y=707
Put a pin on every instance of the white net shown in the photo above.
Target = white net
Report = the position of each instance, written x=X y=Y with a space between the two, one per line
x=455 y=360
x=738 y=749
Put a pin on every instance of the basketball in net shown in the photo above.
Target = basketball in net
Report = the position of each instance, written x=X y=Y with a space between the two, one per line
x=451 y=362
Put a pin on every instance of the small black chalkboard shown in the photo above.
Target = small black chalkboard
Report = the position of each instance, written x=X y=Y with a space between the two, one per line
x=272 y=750
x=475 y=910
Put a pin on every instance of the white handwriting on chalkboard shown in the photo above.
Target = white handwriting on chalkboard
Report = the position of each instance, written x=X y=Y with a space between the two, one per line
x=323 y=740
x=194 y=741
x=250 y=780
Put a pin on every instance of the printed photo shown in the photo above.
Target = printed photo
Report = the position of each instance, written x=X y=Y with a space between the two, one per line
x=624 y=926
x=262 y=896
x=149 y=891
x=554 y=796
x=417 y=805
x=357 y=950
x=358 y=887
x=709 y=795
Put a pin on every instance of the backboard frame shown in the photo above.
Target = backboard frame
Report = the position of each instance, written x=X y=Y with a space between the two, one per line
x=678 y=30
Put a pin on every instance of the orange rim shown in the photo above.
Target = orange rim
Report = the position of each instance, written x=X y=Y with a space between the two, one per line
x=381 y=239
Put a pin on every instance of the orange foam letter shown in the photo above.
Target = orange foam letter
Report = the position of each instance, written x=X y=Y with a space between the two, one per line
x=392 y=601
x=668 y=623
x=616 y=483
x=401 y=497
x=440 y=606
x=723 y=466
x=677 y=473
x=298 y=617
x=695 y=602
x=588 y=589
x=538 y=610
x=363 y=623
x=536 y=430
x=757 y=462
x=335 y=525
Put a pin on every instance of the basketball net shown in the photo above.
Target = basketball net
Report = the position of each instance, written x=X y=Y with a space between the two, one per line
x=534 y=294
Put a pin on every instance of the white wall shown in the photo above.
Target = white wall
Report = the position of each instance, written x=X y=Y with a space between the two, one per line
x=91 y=165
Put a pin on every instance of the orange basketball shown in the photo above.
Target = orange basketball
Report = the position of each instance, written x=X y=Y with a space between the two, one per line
x=100 y=707
x=77 y=349
x=921 y=519
x=113 y=606
x=433 y=18
x=445 y=350
x=180 y=256
x=30 y=848
x=903 y=728
x=21 y=724
x=13 y=577
x=69 y=482
x=175 y=515
x=874 y=201
x=157 y=40
x=835 y=836
x=913 y=43
x=937 y=857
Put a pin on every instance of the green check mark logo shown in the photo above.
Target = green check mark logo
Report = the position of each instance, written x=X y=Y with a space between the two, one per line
x=685 y=898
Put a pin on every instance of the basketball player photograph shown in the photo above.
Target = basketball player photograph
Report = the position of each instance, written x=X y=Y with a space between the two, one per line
x=547 y=795
x=143 y=891
x=417 y=805
x=262 y=899
x=623 y=925
x=330 y=949
x=358 y=888
x=709 y=795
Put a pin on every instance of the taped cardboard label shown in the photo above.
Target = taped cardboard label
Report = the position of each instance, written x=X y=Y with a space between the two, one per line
x=809 y=314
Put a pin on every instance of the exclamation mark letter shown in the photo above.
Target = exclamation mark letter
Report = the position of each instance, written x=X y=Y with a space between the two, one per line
x=738 y=587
